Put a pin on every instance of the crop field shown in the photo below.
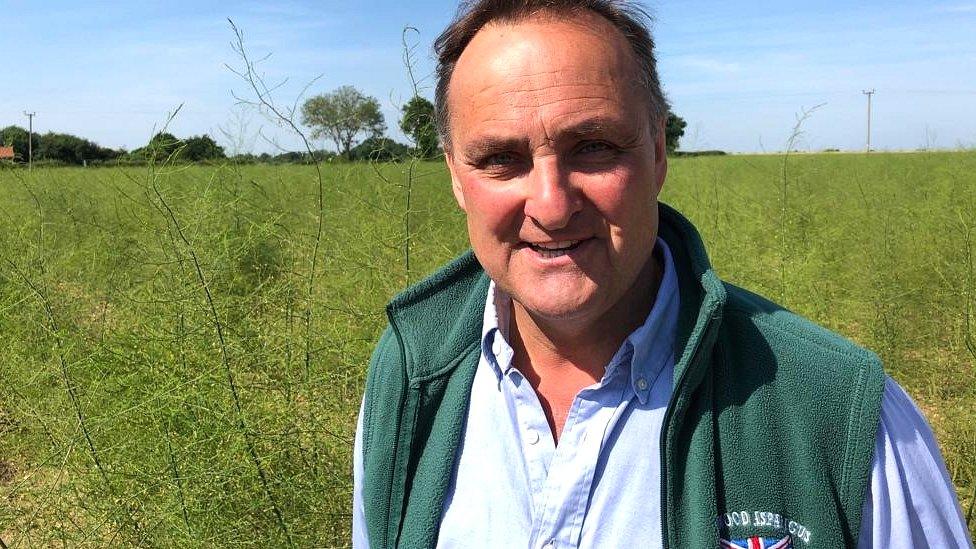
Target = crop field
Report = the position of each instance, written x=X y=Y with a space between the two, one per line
x=183 y=348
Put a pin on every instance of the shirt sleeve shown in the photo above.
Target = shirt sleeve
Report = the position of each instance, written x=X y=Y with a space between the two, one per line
x=359 y=539
x=911 y=502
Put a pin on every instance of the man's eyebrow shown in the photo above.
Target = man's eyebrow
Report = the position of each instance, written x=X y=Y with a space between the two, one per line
x=623 y=133
x=487 y=145
x=585 y=128
x=594 y=126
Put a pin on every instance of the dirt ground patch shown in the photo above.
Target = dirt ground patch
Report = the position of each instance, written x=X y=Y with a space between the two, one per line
x=7 y=471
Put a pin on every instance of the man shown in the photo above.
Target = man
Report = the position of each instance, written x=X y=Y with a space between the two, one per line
x=584 y=379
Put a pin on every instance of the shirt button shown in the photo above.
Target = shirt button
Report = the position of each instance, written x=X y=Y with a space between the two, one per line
x=641 y=384
x=533 y=437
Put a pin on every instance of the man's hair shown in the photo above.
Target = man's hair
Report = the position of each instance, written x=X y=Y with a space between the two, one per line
x=474 y=15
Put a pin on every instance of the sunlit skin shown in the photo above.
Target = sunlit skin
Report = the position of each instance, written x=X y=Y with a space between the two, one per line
x=551 y=142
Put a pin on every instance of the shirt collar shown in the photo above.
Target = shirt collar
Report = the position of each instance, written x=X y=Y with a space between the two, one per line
x=646 y=350
x=651 y=346
x=494 y=346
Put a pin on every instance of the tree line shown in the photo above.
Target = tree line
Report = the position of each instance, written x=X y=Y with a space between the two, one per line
x=64 y=148
x=356 y=126
x=351 y=120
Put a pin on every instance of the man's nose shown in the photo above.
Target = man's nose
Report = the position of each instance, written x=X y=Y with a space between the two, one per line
x=551 y=199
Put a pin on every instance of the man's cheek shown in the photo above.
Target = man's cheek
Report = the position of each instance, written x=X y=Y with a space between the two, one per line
x=496 y=211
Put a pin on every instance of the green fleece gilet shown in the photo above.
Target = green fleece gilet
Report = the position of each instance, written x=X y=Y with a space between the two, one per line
x=770 y=429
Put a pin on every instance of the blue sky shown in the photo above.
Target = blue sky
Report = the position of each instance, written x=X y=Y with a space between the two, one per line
x=739 y=73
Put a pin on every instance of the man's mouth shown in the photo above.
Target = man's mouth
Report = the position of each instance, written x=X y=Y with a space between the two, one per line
x=550 y=250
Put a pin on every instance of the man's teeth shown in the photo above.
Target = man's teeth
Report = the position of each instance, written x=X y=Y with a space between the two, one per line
x=554 y=249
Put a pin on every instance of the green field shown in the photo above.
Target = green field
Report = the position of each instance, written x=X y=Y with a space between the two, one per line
x=176 y=373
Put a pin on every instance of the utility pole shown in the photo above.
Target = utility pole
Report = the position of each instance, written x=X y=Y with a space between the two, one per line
x=869 y=93
x=30 y=139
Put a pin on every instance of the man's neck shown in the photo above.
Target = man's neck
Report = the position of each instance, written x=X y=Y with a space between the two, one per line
x=561 y=357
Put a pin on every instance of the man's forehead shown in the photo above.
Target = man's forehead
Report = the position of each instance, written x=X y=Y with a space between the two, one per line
x=571 y=26
x=533 y=53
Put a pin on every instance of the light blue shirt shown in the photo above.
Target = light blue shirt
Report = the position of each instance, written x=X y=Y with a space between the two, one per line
x=513 y=487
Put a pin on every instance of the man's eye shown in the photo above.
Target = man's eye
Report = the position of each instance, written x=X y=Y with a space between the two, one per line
x=499 y=159
x=593 y=147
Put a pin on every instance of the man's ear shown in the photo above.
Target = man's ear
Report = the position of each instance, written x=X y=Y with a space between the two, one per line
x=455 y=180
x=660 y=155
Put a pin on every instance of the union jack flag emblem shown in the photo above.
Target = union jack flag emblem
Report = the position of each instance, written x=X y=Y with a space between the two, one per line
x=757 y=542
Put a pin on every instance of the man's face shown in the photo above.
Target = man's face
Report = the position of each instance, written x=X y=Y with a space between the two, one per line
x=555 y=161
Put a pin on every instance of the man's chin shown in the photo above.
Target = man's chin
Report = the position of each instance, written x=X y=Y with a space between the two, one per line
x=545 y=307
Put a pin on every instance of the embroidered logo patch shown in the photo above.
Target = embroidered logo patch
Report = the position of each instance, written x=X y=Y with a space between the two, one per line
x=761 y=530
x=757 y=542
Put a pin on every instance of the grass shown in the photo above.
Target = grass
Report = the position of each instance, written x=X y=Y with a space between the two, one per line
x=154 y=334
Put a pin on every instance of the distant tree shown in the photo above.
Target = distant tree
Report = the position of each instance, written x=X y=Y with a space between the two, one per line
x=201 y=147
x=323 y=155
x=299 y=157
x=673 y=131
x=418 y=123
x=17 y=137
x=291 y=156
x=165 y=145
x=379 y=149
x=71 y=149
x=342 y=116
x=162 y=146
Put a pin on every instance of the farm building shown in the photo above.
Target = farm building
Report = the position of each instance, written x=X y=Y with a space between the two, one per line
x=7 y=153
